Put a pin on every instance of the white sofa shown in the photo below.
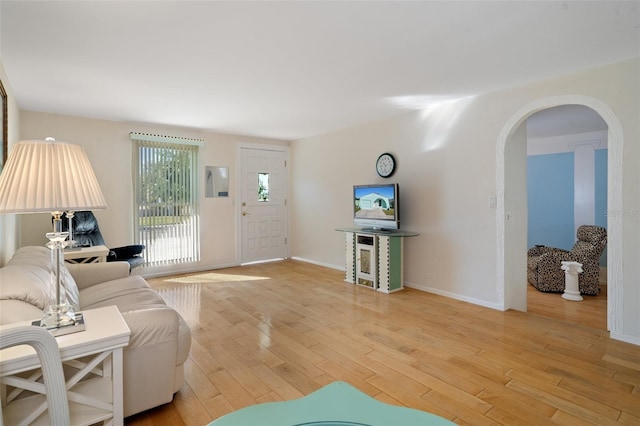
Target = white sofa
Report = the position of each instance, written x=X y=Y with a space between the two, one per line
x=160 y=339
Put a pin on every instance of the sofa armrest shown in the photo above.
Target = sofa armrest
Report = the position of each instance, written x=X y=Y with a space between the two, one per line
x=88 y=274
x=556 y=255
x=152 y=326
x=150 y=359
x=539 y=250
x=549 y=264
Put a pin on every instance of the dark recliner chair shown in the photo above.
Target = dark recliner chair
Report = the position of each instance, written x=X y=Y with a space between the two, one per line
x=86 y=233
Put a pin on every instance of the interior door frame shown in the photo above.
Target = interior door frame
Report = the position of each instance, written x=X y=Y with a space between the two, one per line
x=238 y=202
x=505 y=240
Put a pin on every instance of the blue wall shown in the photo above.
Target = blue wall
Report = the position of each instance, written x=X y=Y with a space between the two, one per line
x=550 y=200
x=550 y=191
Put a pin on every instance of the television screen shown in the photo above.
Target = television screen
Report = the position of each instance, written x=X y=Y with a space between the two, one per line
x=376 y=206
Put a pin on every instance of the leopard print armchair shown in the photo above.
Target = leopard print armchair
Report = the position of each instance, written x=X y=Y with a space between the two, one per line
x=544 y=263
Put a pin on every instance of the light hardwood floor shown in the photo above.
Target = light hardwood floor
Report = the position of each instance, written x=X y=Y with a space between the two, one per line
x=281 y=330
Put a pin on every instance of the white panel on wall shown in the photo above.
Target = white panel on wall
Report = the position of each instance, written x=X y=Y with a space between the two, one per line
x=584 y=186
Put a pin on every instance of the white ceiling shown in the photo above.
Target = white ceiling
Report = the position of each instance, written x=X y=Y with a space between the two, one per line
x=293 y=69
x=564 y=120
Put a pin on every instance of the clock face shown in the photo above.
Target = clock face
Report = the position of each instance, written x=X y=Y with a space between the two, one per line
x=385 y=165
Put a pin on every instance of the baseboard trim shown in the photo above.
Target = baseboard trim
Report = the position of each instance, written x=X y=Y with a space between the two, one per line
x=455 y=296
x=313 y=262
x=417 y=287
x=624 y=338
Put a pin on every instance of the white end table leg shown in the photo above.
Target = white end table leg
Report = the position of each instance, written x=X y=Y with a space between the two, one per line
x=116 y=377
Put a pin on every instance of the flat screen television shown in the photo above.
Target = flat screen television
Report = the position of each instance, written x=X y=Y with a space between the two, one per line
x=376 y=207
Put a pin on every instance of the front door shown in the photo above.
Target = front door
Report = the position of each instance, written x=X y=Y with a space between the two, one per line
x=263 y=209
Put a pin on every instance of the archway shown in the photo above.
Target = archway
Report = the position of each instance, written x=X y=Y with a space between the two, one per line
x=511 y=247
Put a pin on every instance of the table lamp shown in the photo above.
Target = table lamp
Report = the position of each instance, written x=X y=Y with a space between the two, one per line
x=49 y=176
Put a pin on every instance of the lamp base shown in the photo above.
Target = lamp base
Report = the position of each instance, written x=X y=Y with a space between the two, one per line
x=57 y=316
x=74 y=327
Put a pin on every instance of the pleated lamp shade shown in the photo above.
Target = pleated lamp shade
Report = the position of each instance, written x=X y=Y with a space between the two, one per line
x=48 y=176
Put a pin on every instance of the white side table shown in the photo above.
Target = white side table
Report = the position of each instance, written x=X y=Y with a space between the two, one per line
x=93 y=370
x=91 y=254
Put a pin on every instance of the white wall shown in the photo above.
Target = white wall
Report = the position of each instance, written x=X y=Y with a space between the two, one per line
x=446 y=176
x=9 y=223
x=110 y=151
x=516 y=220
x=447 y=173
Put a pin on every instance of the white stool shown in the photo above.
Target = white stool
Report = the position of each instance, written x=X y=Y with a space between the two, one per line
x=571 y=289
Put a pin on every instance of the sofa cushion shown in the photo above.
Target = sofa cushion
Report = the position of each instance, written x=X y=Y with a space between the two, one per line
x=41 y=257
x=26 y=283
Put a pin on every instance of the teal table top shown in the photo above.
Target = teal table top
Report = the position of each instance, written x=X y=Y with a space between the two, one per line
x=337 y=404
x=387 y=233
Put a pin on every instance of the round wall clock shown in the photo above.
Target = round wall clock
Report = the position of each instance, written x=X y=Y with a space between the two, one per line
x=385 y=165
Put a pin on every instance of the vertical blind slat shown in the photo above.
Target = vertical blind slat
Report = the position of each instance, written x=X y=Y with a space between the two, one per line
x=167 y=202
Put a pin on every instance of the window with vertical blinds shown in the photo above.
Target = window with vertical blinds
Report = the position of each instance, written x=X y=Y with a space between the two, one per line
x=166 y=207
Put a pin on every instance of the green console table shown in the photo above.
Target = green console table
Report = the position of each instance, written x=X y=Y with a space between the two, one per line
x=337 y=404
x=375 y=258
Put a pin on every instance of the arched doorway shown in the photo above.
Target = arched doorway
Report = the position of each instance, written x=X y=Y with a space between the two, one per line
x=511 y=196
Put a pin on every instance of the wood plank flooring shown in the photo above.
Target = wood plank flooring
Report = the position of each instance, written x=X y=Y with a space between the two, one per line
x=592 y=311
x=278 y=331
